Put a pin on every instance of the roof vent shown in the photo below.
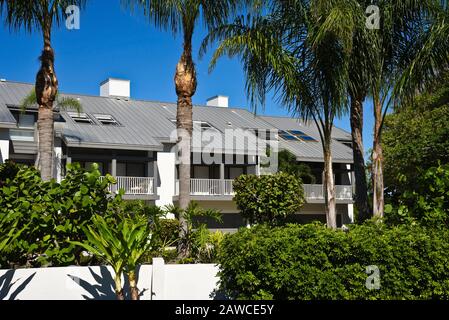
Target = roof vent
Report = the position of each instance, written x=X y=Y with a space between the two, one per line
x=117 y=88
x=218 y=101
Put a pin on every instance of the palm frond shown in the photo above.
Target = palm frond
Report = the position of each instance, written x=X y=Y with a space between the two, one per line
x=29 y=101
x=68 y=103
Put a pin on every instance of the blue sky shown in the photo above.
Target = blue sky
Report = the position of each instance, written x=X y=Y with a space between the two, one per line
x=112 y=42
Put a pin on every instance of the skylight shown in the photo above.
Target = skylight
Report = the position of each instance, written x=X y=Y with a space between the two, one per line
x=203 y=126
x=106 y=120
x=295 y=135
x=199 y=125
x=81 y=118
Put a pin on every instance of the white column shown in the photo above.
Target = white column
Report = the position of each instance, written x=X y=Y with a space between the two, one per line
x=351 y=212
x=4 y=145
x=57 y=161
x=352 y=181
x=166 y=167
x=114 y=167
x=222 y=171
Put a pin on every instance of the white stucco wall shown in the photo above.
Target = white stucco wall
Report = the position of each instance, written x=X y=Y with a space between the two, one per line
x=155 y=282
x=4 y=145
x=68 y=283
x=166 y=166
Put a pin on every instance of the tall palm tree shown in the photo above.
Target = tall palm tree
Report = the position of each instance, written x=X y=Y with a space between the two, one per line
x=396 y=60
x=287 y=51
x=39 y=16
x=182 y=17
x=405 y=26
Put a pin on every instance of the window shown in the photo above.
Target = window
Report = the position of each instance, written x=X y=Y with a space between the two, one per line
x=106 y=120
x=80 y=118
x=26 y=121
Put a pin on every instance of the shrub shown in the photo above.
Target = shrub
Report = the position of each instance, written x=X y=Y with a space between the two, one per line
x=427 y=201
x=52 y=214
x=313 y=262
x=198 y=243
x=268 y=198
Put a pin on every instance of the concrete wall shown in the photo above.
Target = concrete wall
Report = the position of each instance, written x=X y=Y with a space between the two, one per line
x=157 y=282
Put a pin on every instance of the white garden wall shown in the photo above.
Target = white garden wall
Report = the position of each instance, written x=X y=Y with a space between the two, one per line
x=158 y=282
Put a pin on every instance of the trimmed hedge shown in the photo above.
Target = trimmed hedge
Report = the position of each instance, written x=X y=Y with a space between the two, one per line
x=268 y=198
x=313 y=262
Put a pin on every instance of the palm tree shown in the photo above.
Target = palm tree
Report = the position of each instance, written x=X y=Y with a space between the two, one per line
x=39 y=16
x=402 y=46
x=289 y=52
x=181 y=17
x=397 y=44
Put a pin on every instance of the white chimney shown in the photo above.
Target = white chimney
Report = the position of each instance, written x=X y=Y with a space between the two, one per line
x=218 y=101
x=112 y=87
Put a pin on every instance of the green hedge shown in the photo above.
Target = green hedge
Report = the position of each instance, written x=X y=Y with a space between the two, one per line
x=313 y=262
x=268 y=198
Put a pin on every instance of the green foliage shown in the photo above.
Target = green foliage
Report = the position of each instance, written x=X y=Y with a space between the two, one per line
x=206 y=245
x=268 y=198
x=65 y=103
x=120 y=242
x=8 y=170
x=202 y=244
x=289 y=164
x=313 y=262
x=8 y=231
x=164 y=238
x=427 y=201
x=416 y=137
x=52 y=214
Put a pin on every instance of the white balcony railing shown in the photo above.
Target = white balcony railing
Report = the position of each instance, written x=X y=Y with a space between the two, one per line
x=217 y=187
x=134 y=185
x=209 y=187
x=316 y=192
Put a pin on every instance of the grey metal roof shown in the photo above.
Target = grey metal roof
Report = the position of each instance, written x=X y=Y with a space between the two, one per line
x=311 y=151
x=147 y=125
x=8 y=92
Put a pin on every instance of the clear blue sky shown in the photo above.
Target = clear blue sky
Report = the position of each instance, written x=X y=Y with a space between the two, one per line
x=112 y=42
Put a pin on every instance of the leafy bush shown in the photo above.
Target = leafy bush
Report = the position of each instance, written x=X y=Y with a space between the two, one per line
x=416 y=137
x=201 y=245
x=313 y=262
x=268 y=198
x=427 y=201
x=121 y=243
x=52 y=214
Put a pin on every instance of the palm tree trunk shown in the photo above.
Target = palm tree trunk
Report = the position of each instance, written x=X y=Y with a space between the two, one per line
x=329 y=194
x=118 y=287
x=133 y=285
x=46 y=89
x=361 y=188
x=377 y=169
x=185 y=82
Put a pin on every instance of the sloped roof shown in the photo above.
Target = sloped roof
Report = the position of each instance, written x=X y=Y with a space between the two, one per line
x=147 y=125
x=144 y=125
x=311 y=151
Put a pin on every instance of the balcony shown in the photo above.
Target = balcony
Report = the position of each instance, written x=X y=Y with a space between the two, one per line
x=208 y=189
x=135 y=187
x=315 y=193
